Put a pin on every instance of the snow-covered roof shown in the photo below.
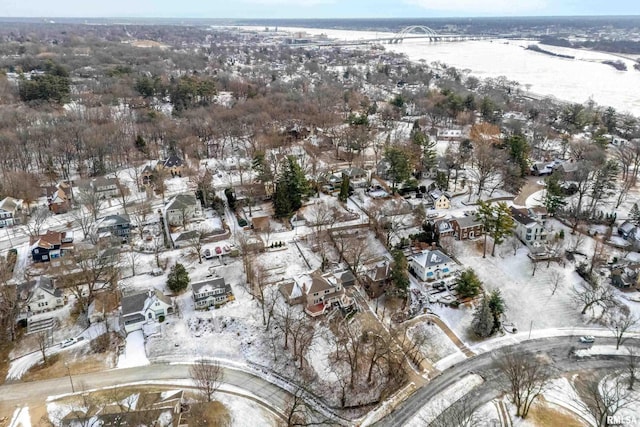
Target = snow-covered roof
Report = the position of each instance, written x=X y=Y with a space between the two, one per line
x=430 y=258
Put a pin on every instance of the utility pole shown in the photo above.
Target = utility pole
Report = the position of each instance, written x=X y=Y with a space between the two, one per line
x=70 y=378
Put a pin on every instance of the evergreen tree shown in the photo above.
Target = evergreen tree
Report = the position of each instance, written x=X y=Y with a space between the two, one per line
x=291 y=188
x=634 y=215
x=484 y=214
x=281 y=201
x=497 y=306
x=468 y=284
x=482 y=324
x=344 y=189
x=554 y=195
x=427 y=146
x=503 y=224
x=519 y=152
x=178 y=278
x=398 y=166
x=399 y=273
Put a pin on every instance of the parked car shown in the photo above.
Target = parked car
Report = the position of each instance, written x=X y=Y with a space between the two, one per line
x=207 y=254
x=587 y=339
x=157 y=272
x=68 y=342
x=218 y=250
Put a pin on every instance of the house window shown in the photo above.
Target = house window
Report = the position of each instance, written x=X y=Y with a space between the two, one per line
x=471 y=234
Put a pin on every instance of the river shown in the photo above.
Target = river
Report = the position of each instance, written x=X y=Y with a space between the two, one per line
x=572 y=80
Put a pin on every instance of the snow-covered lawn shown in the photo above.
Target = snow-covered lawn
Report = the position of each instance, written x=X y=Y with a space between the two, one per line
x=529 y=297
x=451 y=394
x=134 y=353
x=436 y=343
x=21 y=418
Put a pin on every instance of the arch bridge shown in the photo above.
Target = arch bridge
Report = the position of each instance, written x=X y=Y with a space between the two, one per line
x=423 y=32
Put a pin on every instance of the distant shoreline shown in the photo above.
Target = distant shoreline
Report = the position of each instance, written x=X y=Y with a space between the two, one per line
x=536 y=48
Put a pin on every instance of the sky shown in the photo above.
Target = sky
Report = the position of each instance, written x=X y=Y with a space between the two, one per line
x=313 y=8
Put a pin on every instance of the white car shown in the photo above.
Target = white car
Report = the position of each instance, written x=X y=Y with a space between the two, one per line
x=68 y=342
x=587 y=339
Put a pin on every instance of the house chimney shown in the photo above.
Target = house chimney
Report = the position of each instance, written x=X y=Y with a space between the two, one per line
x=433 y=246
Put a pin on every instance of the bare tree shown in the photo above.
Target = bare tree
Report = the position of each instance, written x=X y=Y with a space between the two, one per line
x=554 y=280
x=603 y=399
x=594 y=294
x=133 y=259
x=196 y=243
x=86 y=222
x=208 y=377
x=43 y=339
x=576 y=242
x=619 y=323
x=460 y=414
x=37 y=220
x=91 y=201
x=632 y=365
x=527 y=378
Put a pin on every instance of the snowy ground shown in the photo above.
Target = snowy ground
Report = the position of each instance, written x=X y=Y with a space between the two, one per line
x=134 y=352
x=20 y=365
x=451 y=394
x=20 y=418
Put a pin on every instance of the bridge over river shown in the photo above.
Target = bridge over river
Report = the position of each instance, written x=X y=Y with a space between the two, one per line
x=412 y=32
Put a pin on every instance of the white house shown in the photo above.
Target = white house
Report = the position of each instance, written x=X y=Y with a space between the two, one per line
x=431 y=264
x=530 y=225
x=143 y=307
x=9 y=207
x=211 y=293
x=44 y=297
x=440 y=199
x=182 y=208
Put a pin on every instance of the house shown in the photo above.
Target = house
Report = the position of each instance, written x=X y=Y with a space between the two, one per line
x=211 y=293
x=376 y=279
x=59 y=201
x=250 y=193
x=143 y=307
x=467 y=227
x=450 y=134
x=44 y=296
x=441 y=200
x=157 y=408
x=116 y=226
x=317 y=291
x=443 y=228
x=431 y=264
x=181 y=209
x=103 y=187
x=51 y=245
x=530 y=225
x=346 y=277
x=173 y=165
x=358 y=177
x=9 y=208
x=147 y=173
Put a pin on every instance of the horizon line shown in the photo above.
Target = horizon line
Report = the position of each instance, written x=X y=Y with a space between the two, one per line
x=325 y=18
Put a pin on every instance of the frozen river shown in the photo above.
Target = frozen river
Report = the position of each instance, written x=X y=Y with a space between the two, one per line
x=574 y=80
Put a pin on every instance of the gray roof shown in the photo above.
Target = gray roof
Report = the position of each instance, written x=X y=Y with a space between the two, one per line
x=216 y=283
x=182 y=201
x=113 y=220
x=173 y=161
x=133 y=303
x=430 y=258
x=467 y=221
x=187 y=236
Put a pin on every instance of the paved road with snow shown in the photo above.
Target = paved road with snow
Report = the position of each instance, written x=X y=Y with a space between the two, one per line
x=268 y=394
x=558 y=348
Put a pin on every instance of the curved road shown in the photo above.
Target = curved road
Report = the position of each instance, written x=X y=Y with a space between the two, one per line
x=558 y=349
x=275 y=398
x=269 y=395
